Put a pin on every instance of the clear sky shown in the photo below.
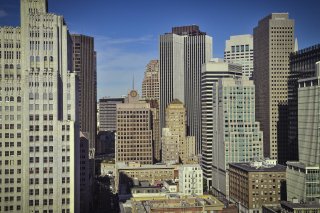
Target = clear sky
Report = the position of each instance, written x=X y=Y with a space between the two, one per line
x=127 y=31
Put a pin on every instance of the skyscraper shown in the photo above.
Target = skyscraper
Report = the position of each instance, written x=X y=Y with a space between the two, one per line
x=134 y=131
x=175 y=142
x=211 y=73
x=303 y=177
x=84 y=63
x=273 y=44
x=239 y=49
x=151 y=93
x=182 y=53
x=151 y=81
x=39 y=131
x=302 y=65
x=236 y=136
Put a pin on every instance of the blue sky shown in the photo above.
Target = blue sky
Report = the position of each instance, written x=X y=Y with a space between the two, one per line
x=126 y=31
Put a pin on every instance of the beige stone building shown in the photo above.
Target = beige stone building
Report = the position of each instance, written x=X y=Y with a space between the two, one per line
x=134 y=131
x=151 y=81
x=176 y=145
x=255 y=184
x=273 y=43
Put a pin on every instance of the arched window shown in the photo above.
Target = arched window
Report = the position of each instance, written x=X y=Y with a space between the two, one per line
x=0 y=99
x=30 y=96
x=51 y=58
x=11 y=66
x=19 y=99
x=6 y=66
x=7 y=99
x=31 y=58
x=11 y=98
x=45 y=58
x=37 y=58
x=18 y=66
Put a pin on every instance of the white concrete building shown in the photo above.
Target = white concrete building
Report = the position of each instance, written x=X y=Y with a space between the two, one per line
x=236 y=136
x=39 y=134
x=190 y=179
x=211 y=73
x=239 y=49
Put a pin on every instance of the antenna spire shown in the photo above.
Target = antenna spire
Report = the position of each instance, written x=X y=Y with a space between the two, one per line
x=133 y=82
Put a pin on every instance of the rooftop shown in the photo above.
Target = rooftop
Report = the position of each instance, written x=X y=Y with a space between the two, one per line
x=264 y=168
x=287 y=204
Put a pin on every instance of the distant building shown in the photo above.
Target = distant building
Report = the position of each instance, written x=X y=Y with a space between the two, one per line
x=182 y=53
x=175 y=142
x=273 y=43
x=239 y=49
x=237 y=137
x=255 y=184
x=85 y=66
x=190 y=179
x=211 y=73
x=134 y=141
x=151 y=81
x=108 y=113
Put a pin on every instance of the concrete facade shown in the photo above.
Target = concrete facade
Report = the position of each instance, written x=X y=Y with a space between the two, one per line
x=239 y=49
x=211 y=73
x=273 y=43
x=108 y=113
x=237 y=136
x=134 y=131
x=39 y=131
x=190 y=180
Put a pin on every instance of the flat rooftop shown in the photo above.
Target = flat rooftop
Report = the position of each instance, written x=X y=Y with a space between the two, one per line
x=300 y=205
x=264 y=168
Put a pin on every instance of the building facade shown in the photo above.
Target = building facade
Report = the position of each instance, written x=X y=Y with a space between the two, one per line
x=302 y=65
x=151 y=81
x=174 y=139
x=211 y=73
x=134 y=131
x=190 y=179
x=85 y=66
x=108 y=113
x=237 y=137
x=182 y=53
x=255 y=184
x=239 y=49
x=273 y=43
x=304 y=176
x=39 y=131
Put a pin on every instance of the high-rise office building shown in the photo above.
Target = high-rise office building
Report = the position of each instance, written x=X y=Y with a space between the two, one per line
x=84 y=63
x=134 y=131
x=273 y=44
x=39 y=132
x=211 y=72
x=303 y=177
x=151 y=81
x=175 y=147
x=236 y=136
x=239 y=49
x=302 y=65
x=182 y=53
x=108 y=113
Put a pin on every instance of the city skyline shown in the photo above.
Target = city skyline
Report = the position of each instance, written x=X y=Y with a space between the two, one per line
x=125 y=49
